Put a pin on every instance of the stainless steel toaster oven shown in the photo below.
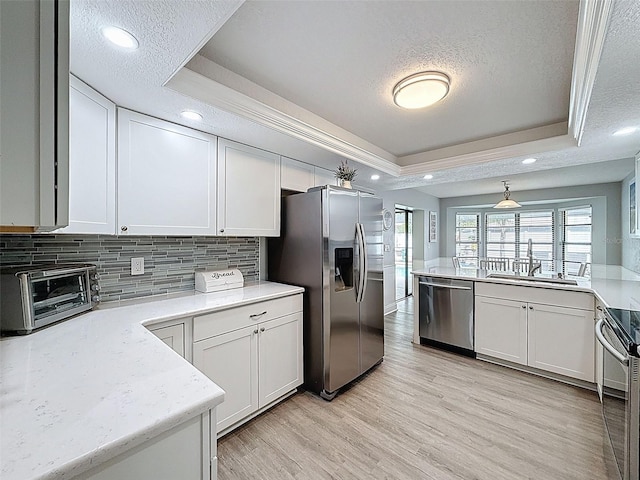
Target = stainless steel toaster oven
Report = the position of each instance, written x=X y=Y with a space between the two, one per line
x=33 y=296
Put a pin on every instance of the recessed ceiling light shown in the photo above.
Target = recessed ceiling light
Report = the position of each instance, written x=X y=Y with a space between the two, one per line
x=191 y=115
x=421 y=90
x=625 y=131
x=529 y=161
x=120 y=37
x=428 y=176
x=375 y=177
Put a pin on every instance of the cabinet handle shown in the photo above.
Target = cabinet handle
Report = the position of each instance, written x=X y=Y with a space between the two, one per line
x=222 y=230
x=262 y=329
x=524 y=306
x=599 y=308
x=255 y=315
x=255 y=331
x=530 y=308
x=124 y=228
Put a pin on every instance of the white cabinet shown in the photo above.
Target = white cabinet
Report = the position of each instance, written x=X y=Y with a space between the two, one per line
x=166 y=178
x=254 y=353
x=296 y=176
x=173 y=336
x=322 y=176
x=501 y=329
x=34 y=115
x=187 y=452
x=248 y=191
x=547 y=329
x=92 y=161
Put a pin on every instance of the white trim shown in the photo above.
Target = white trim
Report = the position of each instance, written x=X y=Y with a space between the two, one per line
x=392 y=307
x=593 y=20
x=202 y=88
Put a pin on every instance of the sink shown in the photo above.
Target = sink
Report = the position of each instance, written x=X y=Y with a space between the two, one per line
x=564 y=281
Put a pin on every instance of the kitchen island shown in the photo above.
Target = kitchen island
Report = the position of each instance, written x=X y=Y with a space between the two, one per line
x=85 y=392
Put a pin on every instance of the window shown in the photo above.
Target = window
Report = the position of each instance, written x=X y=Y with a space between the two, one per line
x=576 y=238
x=508 y=234
x=467 y=235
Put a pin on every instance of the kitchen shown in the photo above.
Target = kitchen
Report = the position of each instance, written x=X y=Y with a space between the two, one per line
x=130 y=85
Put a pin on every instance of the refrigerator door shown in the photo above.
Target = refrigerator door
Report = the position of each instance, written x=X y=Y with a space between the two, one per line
x=341 y=329
x=372 y=304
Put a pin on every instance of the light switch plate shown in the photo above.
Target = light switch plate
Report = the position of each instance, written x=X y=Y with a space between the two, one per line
x=137 y=266
x=387 y=247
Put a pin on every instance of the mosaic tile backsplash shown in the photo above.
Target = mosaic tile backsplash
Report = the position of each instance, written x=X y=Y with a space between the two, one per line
x=169 y=262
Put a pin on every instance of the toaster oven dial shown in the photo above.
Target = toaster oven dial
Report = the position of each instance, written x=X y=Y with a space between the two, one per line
x=95 y=287
x=95 y=276
x=95 y=298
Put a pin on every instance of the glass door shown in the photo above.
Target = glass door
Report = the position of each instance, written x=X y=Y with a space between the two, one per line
x=403 y=252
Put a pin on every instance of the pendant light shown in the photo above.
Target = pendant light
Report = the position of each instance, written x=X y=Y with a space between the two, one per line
x=507 y=202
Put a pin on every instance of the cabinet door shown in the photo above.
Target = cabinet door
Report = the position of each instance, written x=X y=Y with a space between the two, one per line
x=231 y=361
x=166 y=178
x=92 y=161
x=295 y=175
x=172 y=335
x=322 y=176
x=248 y=191
x=561 y=340
x=280 y=357
x=501 y=329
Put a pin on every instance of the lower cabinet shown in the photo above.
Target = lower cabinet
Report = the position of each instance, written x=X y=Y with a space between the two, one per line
x=254 y=354
x=547 y=336
x=172 y=335
x=187 y=452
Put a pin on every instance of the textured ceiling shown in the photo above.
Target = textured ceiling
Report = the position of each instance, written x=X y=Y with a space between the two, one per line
x=172 y=31
x=509 y=62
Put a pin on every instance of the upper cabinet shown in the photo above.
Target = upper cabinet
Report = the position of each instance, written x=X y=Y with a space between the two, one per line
x=166 y=178
x=34 y=116
x=322 y=176
x=92 y=161
x=296 y=176
x=248 y=191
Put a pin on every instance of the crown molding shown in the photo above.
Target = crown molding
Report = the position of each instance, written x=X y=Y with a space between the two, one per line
x=490 y=155
x=593 y=20
x=203 y=88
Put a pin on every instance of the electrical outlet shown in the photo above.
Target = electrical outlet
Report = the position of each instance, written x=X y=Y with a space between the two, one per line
x=137 y=266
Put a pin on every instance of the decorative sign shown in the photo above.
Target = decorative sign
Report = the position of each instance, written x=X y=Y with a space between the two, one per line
x=433 y=226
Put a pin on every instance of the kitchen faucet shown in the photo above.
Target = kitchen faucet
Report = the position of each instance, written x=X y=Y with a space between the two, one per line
x=532 y=268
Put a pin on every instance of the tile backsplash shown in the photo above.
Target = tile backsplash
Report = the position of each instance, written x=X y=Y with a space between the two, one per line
x=169 y=262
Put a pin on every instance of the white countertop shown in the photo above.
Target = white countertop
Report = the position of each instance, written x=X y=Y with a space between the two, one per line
x=615 y=287
x=83 y=391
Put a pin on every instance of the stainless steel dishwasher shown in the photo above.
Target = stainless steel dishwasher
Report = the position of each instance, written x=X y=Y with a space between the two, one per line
x=446 y=313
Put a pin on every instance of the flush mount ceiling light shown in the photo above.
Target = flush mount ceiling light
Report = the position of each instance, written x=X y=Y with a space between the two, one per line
x=421 y=90
x=191 y=115
x=529 y=161
x=625 y=131
x=428 y=176
x=507 y=202
x=375 y=177
x=120 y=37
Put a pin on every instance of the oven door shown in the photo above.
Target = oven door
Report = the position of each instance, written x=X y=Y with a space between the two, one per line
x=615 y=395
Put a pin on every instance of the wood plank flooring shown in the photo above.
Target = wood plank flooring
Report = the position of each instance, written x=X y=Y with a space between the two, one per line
x=426 y=414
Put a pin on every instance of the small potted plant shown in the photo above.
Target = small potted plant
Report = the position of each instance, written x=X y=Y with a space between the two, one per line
x=344 y=174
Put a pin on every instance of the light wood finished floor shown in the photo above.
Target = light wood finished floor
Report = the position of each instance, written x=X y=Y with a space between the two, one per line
x=426 y=414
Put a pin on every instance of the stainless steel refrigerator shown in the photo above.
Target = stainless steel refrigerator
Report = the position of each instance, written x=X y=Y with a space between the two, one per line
x=331 y=244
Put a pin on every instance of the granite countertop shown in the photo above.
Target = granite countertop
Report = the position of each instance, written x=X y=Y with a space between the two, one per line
x=83 y=391
x=615 y=287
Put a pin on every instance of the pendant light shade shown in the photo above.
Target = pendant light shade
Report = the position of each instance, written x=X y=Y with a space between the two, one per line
x=507 y=202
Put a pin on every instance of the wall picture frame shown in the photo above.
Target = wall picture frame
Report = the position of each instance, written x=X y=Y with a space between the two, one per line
x=433 y=227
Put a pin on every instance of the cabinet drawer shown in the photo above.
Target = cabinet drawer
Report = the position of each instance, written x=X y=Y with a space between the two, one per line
x=535 y=294
x=217 y=323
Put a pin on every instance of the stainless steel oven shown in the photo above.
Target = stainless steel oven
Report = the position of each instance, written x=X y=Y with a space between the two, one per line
x=33 y=296
x=621 y=389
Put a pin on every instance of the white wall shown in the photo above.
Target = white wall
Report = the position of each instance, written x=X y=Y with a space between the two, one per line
x=630 y=245
x=604 y=198
x=423 y=250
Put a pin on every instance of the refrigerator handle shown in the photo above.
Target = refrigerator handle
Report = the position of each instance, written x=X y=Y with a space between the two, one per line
x=365 y=262
x=362 y=266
